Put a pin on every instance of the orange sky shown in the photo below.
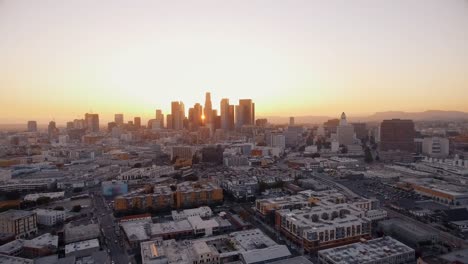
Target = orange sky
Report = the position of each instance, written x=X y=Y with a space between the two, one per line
x=60 y=59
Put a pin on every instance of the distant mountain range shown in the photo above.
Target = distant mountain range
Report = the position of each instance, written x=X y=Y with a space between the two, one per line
x=429 y=115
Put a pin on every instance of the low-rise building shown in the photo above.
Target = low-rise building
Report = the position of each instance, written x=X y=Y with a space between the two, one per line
x=5 y=259
x=438 y=190
x=385 y=250
x=40 y=246
x=43 y=245
x=203 y=211
x=407 y=232
x=164 y=197
x=82 y=248
x=376 y=214
x=51 y=195
x=21 y=223
x=322 y=227
x=248 y=247
x=80 y=232
x=146 y=173
x=49 y=217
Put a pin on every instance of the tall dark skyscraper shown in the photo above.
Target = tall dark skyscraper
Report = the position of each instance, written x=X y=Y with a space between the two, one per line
x=208 y=109
x=397 y=134
x=245 y=113
x=225 y=114
x=32 y=126
x=92 y=122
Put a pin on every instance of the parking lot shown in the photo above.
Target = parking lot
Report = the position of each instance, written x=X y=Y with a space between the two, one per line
x=374 y=188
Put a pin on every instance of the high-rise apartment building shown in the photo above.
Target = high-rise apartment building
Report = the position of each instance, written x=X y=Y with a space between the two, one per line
x=92 y=122
x=32 y=126
x=397 y=134
x=119 y=119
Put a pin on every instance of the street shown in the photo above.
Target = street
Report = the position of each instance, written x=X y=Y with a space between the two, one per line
x=112 y=242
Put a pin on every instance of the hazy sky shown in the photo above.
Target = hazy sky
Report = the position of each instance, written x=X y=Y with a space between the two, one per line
x=62 y=58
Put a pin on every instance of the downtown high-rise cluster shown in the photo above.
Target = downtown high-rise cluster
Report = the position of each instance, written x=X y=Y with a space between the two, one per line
x=228 y=118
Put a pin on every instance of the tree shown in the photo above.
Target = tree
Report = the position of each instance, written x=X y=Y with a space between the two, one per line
x=368 y=155
x=14 y=195
x=262 y=186
x=59 y=208
x=42 y=200
x=76 y=208
x=344 y=150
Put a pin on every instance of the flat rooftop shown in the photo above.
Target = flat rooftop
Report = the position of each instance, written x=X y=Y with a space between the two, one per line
x=82 y=245
x=366 y=252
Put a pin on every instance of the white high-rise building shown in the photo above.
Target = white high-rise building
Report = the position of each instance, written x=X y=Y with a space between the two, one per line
x=345 y=131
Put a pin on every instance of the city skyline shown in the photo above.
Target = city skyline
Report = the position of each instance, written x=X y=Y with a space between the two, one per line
x=304 y=58
x=242 y=132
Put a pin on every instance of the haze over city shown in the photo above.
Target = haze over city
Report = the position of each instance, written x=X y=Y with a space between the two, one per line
x=234 y=132
x=60 y=59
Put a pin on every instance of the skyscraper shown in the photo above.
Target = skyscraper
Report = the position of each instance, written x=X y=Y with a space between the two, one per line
x=169 y=124
x=231 y=117
x=52 y=130
x=177 y=115
x=197 y=116
x=208 y=109
x=119 y=119
x=360 y=129
x=160 y=118
x=345 y=131
x=32 y=126
x=245 y=113
x=70 y=125
x=137 y=122
x=225 y=114
x=291 y=121
x=92 y=122
x=397 y=134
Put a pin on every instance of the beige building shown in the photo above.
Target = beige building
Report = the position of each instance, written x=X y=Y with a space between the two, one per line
x=18 y=222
